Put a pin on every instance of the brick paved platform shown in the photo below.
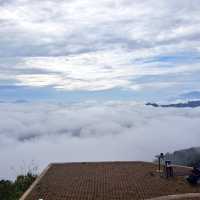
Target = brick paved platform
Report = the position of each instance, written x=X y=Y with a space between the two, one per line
x=106 y=181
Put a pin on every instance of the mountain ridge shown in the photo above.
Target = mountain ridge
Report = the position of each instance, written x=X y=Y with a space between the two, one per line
x=189 y=104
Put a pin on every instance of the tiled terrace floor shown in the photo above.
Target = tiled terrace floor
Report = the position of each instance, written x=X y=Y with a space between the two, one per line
x=107 y=181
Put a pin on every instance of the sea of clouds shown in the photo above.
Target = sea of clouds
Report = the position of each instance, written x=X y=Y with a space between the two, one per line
x=36 y=134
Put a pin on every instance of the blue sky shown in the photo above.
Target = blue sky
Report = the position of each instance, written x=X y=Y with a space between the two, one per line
x=104 y=50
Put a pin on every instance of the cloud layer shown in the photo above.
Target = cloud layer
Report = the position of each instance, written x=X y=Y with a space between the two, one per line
x=49 y=133
x=62 y=27
x=92 y=46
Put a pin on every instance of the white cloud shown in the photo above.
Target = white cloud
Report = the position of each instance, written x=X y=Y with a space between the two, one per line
x=92 y=71
x=91 y=132
x=49 y=26
x=101 y=43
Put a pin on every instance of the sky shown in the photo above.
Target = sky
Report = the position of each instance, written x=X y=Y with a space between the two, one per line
x=75 y=74
x=99 y=50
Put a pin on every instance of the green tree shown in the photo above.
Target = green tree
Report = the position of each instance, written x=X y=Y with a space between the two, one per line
x=23 y=182
x=14 y=190
x=6 y=190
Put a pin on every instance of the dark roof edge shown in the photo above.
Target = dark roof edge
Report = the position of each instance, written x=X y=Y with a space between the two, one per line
x=35 y=182
x=101 y=162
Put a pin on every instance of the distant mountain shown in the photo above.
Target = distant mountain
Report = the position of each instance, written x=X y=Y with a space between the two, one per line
x=152 y=104
x=20 y=101
x=189 y=104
